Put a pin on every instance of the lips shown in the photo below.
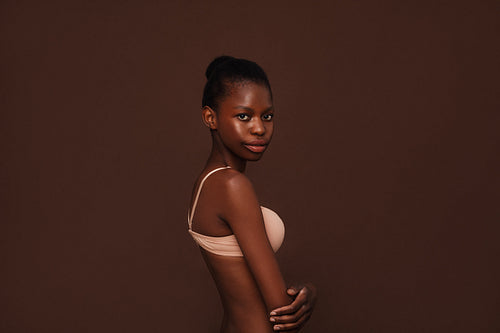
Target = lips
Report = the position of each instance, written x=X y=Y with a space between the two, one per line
x=256 y=146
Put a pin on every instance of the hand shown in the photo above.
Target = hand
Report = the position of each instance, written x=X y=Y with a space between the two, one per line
x=297 y=313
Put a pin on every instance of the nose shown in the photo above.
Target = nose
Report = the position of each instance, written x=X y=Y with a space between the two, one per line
x=258 y=127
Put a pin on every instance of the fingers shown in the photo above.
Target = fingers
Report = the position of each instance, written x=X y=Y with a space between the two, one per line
x=300 y=300
x=292 y=291
x=295 y=325
x=287 y=309
x=297 y=313
x=289 y=318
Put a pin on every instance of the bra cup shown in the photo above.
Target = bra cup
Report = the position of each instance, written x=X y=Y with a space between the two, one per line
x=275 y=228
x=228 y=245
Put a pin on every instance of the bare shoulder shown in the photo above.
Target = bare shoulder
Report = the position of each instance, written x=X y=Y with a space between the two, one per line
x=236 y=193
x=232 y=182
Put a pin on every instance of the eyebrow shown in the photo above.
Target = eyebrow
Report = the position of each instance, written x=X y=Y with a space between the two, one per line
x=246 y=108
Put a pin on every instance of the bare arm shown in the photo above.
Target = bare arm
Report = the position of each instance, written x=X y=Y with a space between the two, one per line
x=296 y=314
x=244 y=216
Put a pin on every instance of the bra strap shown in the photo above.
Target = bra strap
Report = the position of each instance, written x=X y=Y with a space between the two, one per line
x=190 y=216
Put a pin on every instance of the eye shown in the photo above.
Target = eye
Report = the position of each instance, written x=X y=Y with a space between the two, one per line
x=243 y=116
x=268 y=116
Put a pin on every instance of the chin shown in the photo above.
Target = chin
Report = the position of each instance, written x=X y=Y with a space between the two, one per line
x=247 y=155
x=254 y=158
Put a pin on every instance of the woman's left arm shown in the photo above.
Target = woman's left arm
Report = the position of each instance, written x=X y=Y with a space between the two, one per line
x=297 y=313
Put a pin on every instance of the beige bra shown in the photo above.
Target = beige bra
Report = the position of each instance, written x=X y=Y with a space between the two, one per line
x=228 y=245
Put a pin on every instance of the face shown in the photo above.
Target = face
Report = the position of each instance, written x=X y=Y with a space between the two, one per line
x=245 y=121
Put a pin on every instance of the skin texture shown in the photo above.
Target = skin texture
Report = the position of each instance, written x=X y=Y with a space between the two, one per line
x=250 y=287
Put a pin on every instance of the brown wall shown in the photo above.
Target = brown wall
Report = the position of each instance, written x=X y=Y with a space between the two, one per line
x=384 y=164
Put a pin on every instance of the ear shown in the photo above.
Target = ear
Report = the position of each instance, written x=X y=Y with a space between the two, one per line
x=209 y=117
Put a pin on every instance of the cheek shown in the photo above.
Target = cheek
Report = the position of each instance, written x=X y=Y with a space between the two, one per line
x=238 y=127
x=233 y=130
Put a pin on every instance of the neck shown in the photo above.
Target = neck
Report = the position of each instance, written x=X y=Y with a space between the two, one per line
x=220 y=156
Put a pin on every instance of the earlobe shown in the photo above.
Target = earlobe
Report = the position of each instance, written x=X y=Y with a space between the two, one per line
x=209 y=117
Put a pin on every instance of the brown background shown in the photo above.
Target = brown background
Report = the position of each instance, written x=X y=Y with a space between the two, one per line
x=384 y=165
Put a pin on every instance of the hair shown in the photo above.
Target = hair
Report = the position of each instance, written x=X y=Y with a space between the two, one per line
x=224 y=72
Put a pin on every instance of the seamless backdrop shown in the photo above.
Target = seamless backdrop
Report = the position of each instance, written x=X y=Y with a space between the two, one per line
x=384 y=164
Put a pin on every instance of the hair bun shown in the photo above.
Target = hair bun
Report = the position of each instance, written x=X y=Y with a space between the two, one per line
x=216 y=63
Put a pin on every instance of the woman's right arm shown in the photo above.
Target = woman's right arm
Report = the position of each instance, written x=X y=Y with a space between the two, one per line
x=243 y=214
x=297 y=313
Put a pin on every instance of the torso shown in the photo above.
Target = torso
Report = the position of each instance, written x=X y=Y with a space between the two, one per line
x=244 y=307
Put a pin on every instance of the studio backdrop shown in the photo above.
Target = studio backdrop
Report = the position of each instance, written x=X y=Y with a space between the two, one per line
x=384 y=163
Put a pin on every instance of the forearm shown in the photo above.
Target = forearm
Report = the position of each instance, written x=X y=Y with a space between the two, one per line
x=296 y=314
x=273 y=290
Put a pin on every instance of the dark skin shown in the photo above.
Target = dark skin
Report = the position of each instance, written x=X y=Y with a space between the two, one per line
x=252 y=289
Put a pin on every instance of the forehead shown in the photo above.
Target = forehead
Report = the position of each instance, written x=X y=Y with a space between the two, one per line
x=248 y=94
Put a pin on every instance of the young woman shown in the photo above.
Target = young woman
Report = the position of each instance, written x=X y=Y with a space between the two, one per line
x=236 y=235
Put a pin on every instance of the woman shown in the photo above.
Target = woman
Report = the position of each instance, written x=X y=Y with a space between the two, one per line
x=237 y=237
